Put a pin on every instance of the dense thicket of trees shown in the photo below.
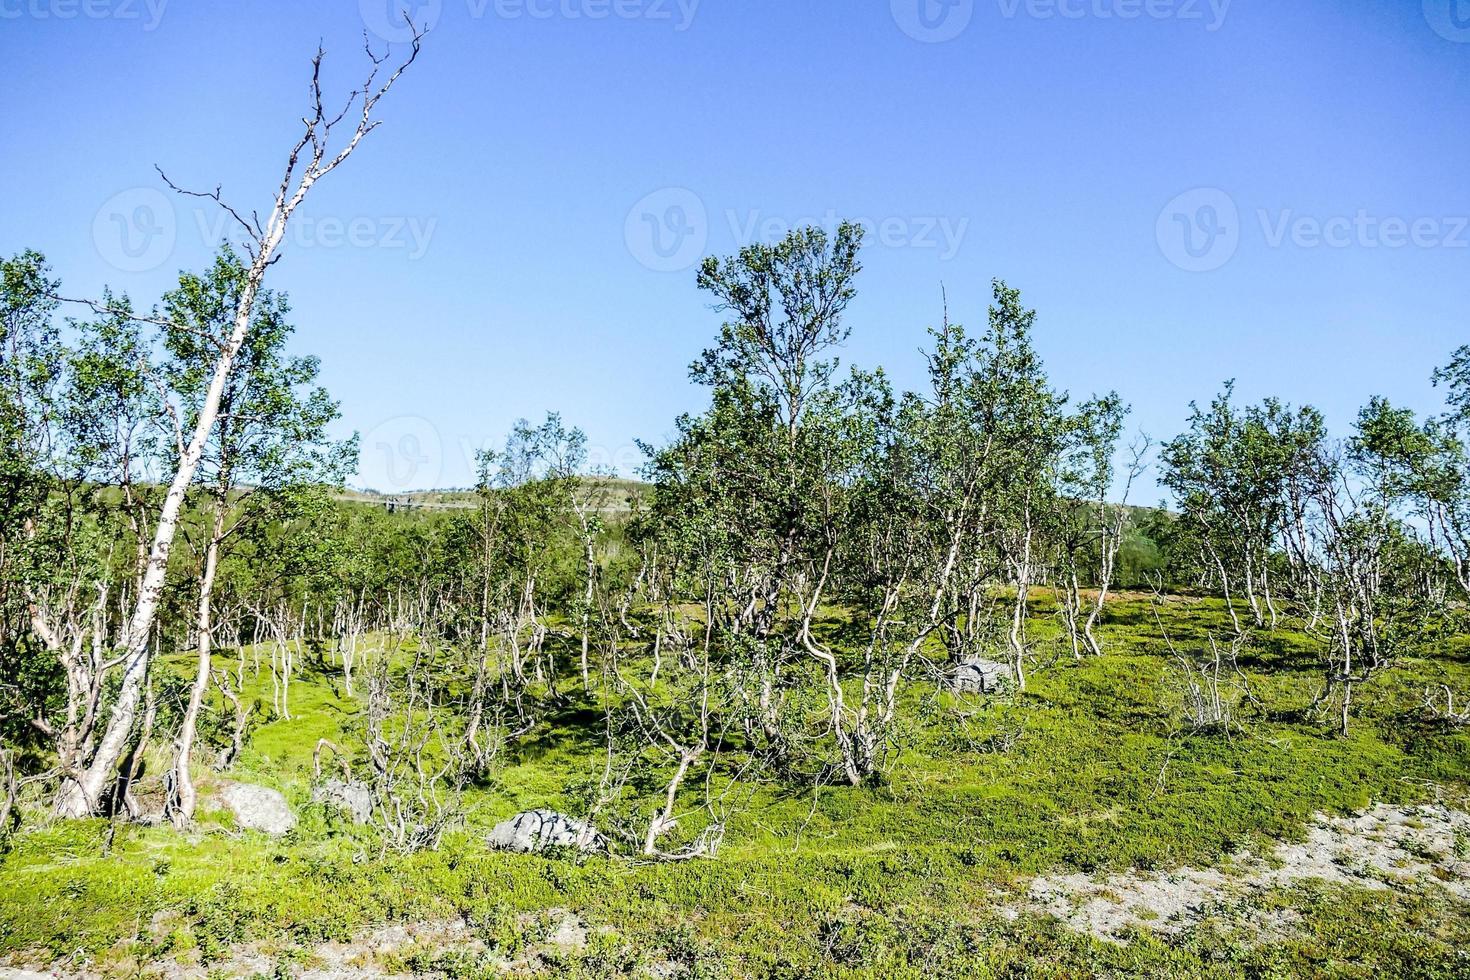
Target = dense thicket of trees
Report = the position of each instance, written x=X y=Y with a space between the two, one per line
x=813 y=554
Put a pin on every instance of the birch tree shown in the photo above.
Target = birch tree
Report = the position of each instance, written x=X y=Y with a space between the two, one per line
x=268 y=444
x=72 y=417
x=1352 y=562
x=327 y=139
x=1228 y=474
x=1427 y=464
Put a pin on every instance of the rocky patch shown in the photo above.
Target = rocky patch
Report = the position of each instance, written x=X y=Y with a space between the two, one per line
x=1388 y=847
x=258 y=808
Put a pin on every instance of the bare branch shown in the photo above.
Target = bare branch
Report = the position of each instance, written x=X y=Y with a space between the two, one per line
x=215 y=195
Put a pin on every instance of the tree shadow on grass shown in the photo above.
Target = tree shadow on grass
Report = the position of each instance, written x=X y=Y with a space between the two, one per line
x=575 y=727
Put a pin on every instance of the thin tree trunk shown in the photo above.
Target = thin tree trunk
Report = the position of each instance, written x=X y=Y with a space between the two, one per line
x=123 y=790
x=181 y=806
x=81 y=797
x=663 y=819
x=1017 y=637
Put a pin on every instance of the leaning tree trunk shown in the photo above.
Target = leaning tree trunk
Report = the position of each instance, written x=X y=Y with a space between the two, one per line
x=82 y=796
x=305 y=165
x=590 y=557
x=1016 y=638
x=1112 y=541
x=183 y=798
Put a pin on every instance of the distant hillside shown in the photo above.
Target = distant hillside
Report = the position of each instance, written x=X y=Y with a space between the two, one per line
x=616 y=493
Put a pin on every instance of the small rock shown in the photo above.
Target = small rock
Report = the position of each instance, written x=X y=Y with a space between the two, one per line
x=570 y=933
x=538 y=830
x=258 y=808
x=977 y=676
x=354 y=799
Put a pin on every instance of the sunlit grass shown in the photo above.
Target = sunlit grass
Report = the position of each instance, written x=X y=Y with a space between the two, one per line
x=898 y=880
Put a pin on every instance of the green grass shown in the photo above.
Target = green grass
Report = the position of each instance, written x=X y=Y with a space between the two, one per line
x=895 y=881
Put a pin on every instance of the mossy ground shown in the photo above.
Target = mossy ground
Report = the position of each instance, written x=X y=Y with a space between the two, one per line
x=902 y=880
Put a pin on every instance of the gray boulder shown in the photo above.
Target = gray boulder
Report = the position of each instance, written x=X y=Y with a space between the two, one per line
x=258 y=808
x=540 y=830
x=978 y=676
x=353 y=799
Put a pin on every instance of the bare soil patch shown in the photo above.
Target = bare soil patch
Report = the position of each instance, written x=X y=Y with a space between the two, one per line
x=1388 y=847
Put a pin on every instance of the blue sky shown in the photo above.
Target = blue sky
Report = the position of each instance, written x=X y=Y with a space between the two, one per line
x=1187 y=191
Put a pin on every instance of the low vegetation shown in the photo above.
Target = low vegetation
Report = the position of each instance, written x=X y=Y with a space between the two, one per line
x=1092 y=770
x=857 y=682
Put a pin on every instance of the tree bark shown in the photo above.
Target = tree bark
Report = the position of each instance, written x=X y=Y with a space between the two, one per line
x=305 y=165
x=82 y=796
x=184 y=798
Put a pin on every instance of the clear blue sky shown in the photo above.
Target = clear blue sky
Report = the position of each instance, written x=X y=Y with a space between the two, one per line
x=500 y=261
